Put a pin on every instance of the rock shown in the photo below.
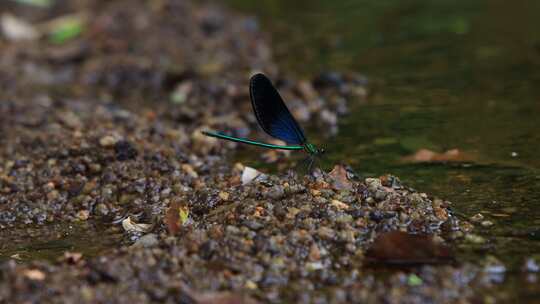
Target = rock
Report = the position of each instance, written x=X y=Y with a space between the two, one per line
x=474 y=239
x=181 y=93
x=494 y=265
x=477 y=218
x=531 y=265
x=224 y=195
x=314 y=252
x=189 y=170
x=124 y=150
x=326 y=233
x=292 y=212
x=339 y=205
x=253 y=225
x=147 y=240
x=54 y=194
x=83 y=215
x=380 y=195
x=16 y=29
x=102 y=209
x=250 y=285
x=71 y=120
x=312 y=266
x=107 y=141
x=344 y=218
x=34 y=274
x=276 y=192
x=373 y=183
x=486 y=223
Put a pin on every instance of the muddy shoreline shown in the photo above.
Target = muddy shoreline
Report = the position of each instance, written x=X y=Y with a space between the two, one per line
x=105 y=129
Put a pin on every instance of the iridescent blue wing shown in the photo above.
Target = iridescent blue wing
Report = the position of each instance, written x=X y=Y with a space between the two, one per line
x=272 y=113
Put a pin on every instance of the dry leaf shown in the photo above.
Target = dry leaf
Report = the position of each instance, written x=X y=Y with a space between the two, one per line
x=131 y=226
x=177 y=216
x=249 y=174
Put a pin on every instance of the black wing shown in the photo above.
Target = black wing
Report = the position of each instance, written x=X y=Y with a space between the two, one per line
x=272 y=113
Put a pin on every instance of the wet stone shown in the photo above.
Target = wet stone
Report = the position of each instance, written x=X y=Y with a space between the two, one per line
x=254 y=225
x=147 y=240
x=380 y=195
x=376 y=215
x=208 y=249
x=124 y=150
x=532 y=265
x=326 y=233
x=276 y=192
x=107 y=141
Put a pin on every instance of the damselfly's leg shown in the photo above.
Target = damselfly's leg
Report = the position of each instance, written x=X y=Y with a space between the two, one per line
x=311 y=161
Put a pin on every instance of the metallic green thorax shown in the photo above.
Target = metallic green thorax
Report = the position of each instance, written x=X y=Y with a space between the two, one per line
x=311 y=149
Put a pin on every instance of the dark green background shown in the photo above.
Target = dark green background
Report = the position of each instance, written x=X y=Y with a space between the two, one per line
x=443 y=74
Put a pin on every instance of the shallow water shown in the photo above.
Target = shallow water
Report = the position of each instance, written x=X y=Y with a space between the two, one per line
x=27 y=243
x=443 y=75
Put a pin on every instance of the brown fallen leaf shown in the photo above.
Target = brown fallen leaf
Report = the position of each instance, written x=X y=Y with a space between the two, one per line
x=340 y=181
x=176 y=216
x=429 y=156
x=401 y=248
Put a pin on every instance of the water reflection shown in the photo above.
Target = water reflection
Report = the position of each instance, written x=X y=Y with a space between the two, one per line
x=444 y=74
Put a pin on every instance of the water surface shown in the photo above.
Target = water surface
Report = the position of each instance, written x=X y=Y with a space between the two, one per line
x=448 y=74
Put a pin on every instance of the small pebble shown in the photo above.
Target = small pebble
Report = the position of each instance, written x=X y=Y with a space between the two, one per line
x=224 y=195
x=474 y=239
x=276 y=192
x=486 y=223
x=339 y=205
x=83 y=215
x=531 y=265
x=326 y=233
x=251 y=285
x=477 y=218
x=107 y=141
x=147 y=240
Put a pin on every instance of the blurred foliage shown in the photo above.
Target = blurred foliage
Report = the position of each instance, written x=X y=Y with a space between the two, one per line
x=41 y=3
x=65 y=29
